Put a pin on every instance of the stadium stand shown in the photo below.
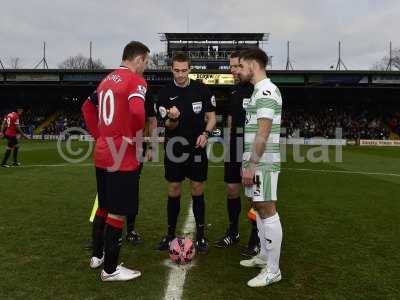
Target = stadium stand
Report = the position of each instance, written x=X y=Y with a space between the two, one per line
x=358 y=121
x=355 y=123
x=363 y=103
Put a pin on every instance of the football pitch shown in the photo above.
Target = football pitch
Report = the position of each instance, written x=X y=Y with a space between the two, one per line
x=340 y=221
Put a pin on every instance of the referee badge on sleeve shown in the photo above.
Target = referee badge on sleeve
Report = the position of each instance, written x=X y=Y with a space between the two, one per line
x=197 y=106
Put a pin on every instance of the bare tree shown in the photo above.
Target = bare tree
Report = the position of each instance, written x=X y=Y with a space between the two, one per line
x=80 y=62
x=157 y=61
x=382 y=65
x=14 y=62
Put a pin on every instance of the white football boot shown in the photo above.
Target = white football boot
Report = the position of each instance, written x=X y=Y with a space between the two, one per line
x=255 y=262
x=265 y=278
x=96 y=262
x=120 y=274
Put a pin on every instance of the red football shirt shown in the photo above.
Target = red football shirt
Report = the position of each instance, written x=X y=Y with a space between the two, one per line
x=119 y=116
x=12 y=120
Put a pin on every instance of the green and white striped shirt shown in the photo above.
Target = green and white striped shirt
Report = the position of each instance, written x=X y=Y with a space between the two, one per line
x=266 y=102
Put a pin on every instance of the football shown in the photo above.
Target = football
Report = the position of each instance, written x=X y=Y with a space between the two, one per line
x=182 y=250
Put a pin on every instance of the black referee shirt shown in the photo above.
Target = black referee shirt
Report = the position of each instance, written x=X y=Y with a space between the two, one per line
x=192 y=101
x=149 y=108
x=238 y=94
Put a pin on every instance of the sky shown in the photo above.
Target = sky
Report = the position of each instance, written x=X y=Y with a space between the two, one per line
x=313 y=27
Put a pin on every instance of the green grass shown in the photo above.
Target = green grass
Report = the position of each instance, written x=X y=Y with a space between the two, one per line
x=341 y=231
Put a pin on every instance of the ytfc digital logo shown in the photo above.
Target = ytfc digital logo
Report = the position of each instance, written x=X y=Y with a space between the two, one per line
x=74 y=145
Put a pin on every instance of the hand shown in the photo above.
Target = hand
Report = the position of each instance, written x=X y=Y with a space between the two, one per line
x=201 y=141
x=248 y=175
x=149 y=154
x=173 y=113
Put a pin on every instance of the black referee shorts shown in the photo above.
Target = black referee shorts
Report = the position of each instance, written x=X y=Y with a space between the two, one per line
x=118 y=192
x=194 y=167
x=143 y=154
x=11 y=141
x=232 y=172
x=233 y=164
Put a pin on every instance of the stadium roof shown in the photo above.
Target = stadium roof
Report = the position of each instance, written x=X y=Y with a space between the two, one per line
x=214 y=36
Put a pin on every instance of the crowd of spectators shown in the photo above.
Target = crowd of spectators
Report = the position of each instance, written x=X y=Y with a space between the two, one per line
x=394 y=123
x=297 y=121
x=354 y=124
x=32 y=119
x=63 y=121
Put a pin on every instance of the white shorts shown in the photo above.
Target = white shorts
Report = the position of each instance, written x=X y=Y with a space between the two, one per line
x=265 y=187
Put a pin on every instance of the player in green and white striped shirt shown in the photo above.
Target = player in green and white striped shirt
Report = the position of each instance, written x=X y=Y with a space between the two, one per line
x=261 y=163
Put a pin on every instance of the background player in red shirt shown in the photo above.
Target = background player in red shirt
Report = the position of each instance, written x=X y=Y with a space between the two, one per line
x=114 y=114
x=9 y=128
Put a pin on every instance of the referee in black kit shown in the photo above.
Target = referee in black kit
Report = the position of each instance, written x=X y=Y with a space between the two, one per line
x=187 y=109
x=236 y=118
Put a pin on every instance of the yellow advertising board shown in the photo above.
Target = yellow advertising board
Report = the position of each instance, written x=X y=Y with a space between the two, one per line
x=213 y=79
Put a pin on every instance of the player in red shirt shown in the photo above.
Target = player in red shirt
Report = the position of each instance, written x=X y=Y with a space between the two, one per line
x=114 y=114
x=10 y=128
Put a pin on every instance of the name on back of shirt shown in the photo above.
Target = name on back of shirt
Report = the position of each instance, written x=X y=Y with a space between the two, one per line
x=114 y=77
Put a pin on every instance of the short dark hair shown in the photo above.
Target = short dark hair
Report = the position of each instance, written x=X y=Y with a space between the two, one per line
x=180 y=57
x=133 y=49
x=256 y=54
x=234 y=54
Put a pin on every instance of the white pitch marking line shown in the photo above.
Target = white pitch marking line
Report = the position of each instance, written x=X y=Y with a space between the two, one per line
x=221 y=166
x=54 y=165
x=344 y=171
x=312 y=170
x=177 y=274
